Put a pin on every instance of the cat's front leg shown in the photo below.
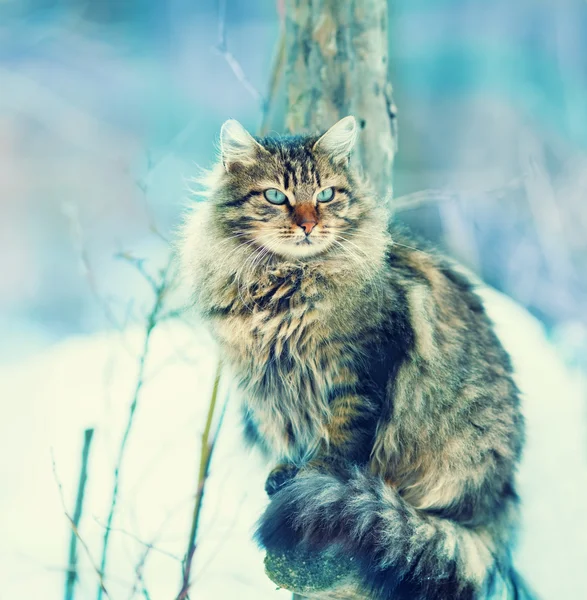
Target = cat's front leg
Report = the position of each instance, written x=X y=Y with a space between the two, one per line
x=348 y=441
x=284 y=473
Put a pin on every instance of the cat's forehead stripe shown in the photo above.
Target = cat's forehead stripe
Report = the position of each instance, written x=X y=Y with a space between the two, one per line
x=317 y=177
x=299 y=166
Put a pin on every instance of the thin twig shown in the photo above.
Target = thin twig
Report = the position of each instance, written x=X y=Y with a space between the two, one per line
x=431 y=196
x=71 y=211
x=214 y=552
x=143 y=185
x=139 y=570
x=139 y=576
x=71 y=577
x=75 y=529
x=139 y=265
x=274 y=80
x=160 y=289
x=147 y=545
x=206 y=451
x=222 y=48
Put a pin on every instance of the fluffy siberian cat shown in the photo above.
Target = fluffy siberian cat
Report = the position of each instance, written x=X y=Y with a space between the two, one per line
x=370 y=371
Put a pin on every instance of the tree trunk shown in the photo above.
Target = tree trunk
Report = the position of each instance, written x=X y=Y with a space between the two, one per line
x=336 y=65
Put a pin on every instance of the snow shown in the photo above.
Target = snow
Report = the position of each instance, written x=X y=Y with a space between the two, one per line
x=48 y=401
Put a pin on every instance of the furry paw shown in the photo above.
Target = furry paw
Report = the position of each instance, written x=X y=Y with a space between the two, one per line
x=305 y=512
x=280 y=476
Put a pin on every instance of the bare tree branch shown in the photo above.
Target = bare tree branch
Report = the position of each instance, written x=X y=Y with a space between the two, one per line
x=79 y=503
x=147 y=545
x=206 y=450
x=75 y=529
x=232 y=62
x=139 y=579
x=160 y=290
x=432 y=196
x=274 y=80
x=71 y=212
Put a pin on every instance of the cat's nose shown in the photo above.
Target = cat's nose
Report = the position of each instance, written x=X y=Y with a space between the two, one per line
x=307 y=226
x=306 y=217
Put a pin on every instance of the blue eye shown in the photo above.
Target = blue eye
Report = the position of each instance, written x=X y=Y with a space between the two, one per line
x=325 y=195
x=275 y=196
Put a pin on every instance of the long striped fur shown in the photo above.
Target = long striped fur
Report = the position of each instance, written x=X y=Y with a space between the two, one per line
x=370 y=373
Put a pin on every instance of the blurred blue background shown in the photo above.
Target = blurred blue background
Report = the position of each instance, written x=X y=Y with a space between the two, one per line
x=108 y=107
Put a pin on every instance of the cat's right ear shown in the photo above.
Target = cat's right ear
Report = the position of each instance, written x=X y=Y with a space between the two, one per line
x=237 y=145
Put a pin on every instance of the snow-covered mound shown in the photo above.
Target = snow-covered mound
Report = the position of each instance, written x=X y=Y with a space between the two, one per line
x=89 y=382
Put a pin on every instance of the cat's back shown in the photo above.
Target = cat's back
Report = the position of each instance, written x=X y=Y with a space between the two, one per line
x=454 y=388
x=438 y=289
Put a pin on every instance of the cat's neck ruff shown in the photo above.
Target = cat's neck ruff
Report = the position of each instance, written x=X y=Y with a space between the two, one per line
x=358 y=261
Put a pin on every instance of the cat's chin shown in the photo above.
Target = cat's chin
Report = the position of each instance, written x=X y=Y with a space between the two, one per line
x=302 y=249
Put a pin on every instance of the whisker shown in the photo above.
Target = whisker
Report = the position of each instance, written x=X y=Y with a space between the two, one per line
x=225 y=258
x=249 y=265
x=374 y=273
x=371 y=236
x=394 y=243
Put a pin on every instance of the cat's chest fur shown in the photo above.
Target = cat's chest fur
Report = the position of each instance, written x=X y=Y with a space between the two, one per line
x=285 y=341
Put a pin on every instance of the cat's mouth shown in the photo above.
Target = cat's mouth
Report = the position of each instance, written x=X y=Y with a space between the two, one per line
x=306 y=247
x=299 y=248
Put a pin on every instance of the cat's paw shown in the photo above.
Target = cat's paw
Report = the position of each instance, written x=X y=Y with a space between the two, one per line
x=276 y=530
x=304 y=512
x=281 y=475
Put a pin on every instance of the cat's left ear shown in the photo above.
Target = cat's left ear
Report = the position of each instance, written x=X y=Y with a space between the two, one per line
x=237 y=145
x=339 y=140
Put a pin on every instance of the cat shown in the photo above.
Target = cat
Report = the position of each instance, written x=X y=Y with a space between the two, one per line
x=370 y=372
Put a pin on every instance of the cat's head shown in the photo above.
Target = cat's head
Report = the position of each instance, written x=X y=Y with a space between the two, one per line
x=295 y=196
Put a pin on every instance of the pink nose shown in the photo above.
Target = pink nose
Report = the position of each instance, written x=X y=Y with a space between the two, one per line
x=307 y=226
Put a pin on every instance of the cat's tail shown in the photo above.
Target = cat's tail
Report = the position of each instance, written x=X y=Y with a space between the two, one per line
x=400 y=553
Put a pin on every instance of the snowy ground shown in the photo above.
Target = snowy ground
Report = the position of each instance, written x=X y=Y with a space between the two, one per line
x=88 y=382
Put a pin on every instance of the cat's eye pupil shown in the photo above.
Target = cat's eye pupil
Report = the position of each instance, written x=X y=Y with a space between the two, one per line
x=275 y=196
x=325 y=195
